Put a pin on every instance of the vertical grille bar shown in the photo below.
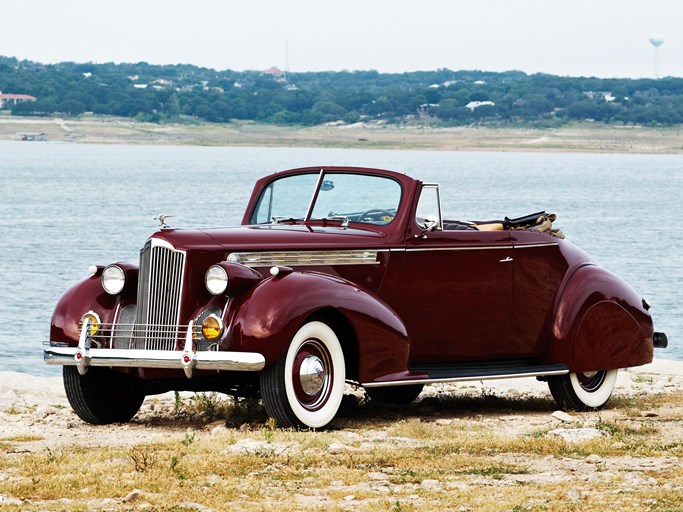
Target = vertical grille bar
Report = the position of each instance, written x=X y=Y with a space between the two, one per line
x=159 y=292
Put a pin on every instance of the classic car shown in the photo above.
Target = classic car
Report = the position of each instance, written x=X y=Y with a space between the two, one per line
x=340 y=276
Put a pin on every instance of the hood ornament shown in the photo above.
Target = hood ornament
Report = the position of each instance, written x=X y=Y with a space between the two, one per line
x=162 y=220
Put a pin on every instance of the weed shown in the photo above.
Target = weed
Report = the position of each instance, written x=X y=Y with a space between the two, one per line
x=12 y=409
x=178 y=401
x=143 y=457
x=189 y=438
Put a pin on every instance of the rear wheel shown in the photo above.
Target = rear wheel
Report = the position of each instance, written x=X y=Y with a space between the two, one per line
x=395 y=394
x=102 y=396
x=304 y=388
x=584 y=390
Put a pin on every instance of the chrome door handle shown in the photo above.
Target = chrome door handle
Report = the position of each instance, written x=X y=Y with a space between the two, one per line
x=506 y=260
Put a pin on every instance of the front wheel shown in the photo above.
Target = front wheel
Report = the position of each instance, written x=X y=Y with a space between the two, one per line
x=102 y=396
x=584 y=390
x=305 y=387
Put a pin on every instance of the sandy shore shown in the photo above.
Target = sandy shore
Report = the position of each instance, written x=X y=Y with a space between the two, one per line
x=587 y=137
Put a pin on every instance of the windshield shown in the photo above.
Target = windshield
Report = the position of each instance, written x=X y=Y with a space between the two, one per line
x=364 y=198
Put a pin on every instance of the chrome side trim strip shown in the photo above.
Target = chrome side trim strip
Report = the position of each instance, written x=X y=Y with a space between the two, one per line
x=468 y=248
x=304 y=258
x=461 y=379
x=531 y=246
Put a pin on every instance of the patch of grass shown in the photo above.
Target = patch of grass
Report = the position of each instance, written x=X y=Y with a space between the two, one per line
x=23 y=438
x=497 y=471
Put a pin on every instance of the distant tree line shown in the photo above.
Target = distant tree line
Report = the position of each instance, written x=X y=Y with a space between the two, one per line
x=175 y=92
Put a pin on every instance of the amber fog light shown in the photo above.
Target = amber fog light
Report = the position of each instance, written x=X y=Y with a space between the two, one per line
x=94 y=322
x=212 y=328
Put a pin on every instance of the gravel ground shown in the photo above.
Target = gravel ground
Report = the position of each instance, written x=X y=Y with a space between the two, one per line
x=35 y=409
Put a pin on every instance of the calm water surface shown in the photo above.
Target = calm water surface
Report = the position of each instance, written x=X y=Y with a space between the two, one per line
x=64 y=207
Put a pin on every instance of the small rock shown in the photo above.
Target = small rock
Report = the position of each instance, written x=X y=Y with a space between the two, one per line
x=619 y=445
x=350 y=497
x=132 y=496
x=573 y=435
x=430 y=485
x=376 y=475
x=563 y=416
x=443 y=422
x=648 y=414
x=593 y=459
x=219 y=429
x=9 y=500
x=573 y=495
x=195 y=506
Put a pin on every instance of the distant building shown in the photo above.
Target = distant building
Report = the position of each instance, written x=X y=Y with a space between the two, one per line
x=273 y=71
x=473 y=105
x=8 y=100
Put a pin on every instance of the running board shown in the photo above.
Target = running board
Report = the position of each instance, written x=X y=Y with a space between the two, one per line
x=435 y=374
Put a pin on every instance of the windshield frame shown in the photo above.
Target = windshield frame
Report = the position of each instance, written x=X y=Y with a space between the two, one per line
x=321 y=175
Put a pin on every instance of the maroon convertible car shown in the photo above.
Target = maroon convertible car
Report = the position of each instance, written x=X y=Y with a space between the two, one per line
x=346 y=275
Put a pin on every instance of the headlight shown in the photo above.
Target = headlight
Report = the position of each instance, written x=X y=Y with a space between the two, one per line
x=113 y=279
x=94 y=322
x=212 y=328
x=216 y=279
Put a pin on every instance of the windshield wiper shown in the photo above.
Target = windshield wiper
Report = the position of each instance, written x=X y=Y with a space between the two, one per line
x=343 y=218
x=279 y=219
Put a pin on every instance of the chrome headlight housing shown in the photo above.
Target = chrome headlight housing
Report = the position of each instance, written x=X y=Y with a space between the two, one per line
x=95 y=322
x=113 y=279
x=216 y=279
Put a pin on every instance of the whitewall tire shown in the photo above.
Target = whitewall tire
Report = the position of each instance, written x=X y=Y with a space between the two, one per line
x=306 y=386
x=583 y=391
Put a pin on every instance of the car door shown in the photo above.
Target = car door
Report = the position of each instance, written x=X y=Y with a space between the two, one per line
x=455 y=293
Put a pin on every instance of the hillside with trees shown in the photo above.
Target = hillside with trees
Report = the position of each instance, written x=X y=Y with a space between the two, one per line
x=175 y=92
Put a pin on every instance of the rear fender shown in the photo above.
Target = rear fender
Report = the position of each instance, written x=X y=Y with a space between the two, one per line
x=600 y=324
x=267 y=318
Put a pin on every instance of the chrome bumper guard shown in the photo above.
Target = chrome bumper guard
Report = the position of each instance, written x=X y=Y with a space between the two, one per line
x=84 y=357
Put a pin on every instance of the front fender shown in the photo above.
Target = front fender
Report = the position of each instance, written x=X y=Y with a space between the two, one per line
x=268 y=317
x=85 y=295
x=600 y=324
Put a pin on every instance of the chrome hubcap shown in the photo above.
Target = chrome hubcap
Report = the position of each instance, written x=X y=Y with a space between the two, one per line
x=312 y=375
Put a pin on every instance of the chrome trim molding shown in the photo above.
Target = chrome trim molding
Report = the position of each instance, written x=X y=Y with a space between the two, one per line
x=532 y=246
x=466 y=248
x=304 y=258
x=461 y=379
x=160 y=285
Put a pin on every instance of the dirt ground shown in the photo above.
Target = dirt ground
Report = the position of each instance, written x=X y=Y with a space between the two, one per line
x=35 y=418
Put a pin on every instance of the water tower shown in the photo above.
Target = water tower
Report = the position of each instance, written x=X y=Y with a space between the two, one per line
x=657 y=40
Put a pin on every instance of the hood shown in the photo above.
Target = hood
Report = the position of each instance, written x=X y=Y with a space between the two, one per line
x=273 y=237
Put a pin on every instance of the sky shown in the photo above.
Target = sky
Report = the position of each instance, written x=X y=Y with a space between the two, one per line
x=603 y=38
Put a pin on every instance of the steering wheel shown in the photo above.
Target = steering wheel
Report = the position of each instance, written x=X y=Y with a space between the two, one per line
x=377 y=214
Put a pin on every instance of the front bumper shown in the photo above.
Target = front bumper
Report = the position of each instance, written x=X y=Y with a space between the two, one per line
x=188 y=360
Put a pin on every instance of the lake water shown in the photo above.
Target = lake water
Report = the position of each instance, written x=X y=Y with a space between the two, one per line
x=65 y=206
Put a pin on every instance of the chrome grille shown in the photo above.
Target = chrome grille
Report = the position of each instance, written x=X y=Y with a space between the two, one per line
x=160 y=282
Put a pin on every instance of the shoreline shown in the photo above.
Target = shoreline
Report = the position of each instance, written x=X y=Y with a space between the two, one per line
x=575 y=137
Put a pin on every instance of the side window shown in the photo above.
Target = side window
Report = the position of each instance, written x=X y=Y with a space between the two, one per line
x=428 y=214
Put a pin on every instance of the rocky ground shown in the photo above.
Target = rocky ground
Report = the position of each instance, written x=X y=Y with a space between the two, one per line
x=35 y=418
